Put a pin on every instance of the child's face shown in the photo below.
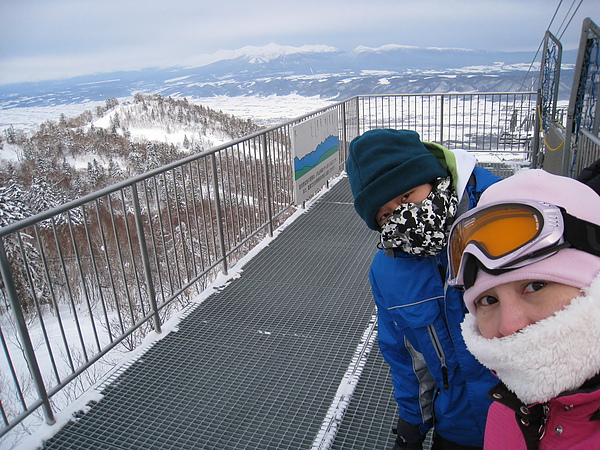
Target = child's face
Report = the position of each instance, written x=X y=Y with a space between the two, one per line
x=510 y=307
x=417 y=194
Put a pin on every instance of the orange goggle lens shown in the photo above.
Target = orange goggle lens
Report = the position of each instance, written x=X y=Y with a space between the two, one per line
x=497 y=231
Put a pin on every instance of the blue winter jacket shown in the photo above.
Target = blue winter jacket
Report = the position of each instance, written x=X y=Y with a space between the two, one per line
x=437 y=382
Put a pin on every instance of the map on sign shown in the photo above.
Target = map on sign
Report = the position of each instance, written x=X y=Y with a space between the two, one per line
x=316 y=154
x=308 y=162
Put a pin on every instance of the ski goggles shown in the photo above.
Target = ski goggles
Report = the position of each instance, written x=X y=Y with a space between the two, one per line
x=506 y=235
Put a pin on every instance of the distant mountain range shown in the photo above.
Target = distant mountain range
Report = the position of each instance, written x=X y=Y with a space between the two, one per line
x=308 y=71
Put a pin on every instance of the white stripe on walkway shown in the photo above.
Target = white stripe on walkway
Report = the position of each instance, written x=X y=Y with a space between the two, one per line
x=342 y=398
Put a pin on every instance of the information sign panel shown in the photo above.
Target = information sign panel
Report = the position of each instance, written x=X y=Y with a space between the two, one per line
x=316 y=144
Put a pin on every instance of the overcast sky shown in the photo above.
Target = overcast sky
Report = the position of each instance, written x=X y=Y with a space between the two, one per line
x=45 y=39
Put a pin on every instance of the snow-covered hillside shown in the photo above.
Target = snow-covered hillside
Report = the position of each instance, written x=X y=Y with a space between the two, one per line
x=62 y=159
x=262 y=110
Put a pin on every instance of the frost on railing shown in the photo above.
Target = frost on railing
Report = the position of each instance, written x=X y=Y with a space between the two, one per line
x=88 y=280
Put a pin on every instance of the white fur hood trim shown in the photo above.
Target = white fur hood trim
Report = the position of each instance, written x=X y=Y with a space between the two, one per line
x=545 y=359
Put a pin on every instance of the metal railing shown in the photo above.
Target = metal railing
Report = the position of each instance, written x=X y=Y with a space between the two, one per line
x=583 y=118
x=103 y=271
x=588 y=150
x=498 y=127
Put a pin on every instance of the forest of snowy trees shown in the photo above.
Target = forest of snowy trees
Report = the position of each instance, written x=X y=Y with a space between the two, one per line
x=63 y=160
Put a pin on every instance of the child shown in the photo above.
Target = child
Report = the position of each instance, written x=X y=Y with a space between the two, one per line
x=529 y=256
x=411 y=191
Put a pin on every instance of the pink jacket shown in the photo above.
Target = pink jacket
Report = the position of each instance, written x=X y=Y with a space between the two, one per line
x=572 y=422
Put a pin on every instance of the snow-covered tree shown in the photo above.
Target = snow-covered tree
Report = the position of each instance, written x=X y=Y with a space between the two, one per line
x=20 y=249
x=96 y=173
x=115 y=172
x=43 y=196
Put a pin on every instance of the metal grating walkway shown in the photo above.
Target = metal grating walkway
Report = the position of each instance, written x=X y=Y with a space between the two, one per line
x=259 y=364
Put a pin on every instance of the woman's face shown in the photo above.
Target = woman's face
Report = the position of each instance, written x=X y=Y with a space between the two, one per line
x=510 y=307
x=415 y=195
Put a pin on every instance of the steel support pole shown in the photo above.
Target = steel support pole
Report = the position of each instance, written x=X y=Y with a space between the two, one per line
x=219 y=214
x=28 y=351
x=267 y=175
x=442 y=120
x=344 y=136
x=139 y=225
x=357 y=116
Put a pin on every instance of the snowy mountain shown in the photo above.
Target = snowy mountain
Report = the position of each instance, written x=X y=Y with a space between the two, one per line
x=308 y=71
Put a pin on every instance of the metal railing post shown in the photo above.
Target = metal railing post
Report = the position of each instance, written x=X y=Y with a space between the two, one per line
x=441 y=141
x=267 y=182
x=357 y=116
x=28 y=351
x=344 y=134
x=536 y=161
x=139 y=225
x=219 y=214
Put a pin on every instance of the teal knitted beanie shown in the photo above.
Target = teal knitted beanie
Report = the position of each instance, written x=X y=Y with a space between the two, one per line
x=384 y=164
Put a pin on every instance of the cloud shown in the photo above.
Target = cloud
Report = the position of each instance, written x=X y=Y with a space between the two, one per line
x=43 y=39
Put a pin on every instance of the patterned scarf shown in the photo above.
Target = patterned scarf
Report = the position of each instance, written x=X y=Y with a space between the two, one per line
x=422 y=228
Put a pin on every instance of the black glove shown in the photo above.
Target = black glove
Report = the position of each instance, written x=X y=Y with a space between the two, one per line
x=408 y=436
x=591 y=176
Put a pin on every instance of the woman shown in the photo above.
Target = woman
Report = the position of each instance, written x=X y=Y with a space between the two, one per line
x=529 y=258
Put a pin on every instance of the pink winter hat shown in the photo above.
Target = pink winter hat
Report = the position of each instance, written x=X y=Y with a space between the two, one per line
x=569 y=266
